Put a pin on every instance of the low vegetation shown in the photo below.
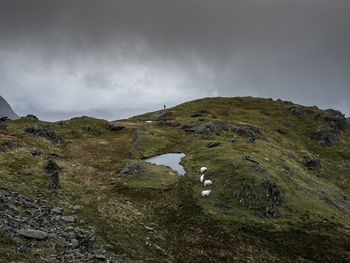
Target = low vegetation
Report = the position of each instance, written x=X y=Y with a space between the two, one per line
x=280 y=192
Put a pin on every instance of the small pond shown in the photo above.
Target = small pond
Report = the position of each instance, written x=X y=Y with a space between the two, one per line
x=169 y=159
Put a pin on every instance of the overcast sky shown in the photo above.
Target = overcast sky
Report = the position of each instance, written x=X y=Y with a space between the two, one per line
x=114 y=58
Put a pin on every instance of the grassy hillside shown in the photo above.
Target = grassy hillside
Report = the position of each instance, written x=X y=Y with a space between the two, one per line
x=280 y=172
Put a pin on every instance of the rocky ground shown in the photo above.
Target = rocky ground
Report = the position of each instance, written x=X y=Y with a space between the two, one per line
x=38 y=221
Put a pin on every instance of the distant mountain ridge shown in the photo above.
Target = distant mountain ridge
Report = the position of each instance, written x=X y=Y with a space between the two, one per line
x=6 y=110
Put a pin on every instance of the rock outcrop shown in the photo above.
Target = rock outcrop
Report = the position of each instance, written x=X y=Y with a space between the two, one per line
x=3 y=126
x=267 y=195
x=206 y=129
x=131 y=170
x=44 y=131
x=311 y=163
x=53 y=175
x=336 y=117
x=40 y=223
x=326 y=135
x=250 y=132
x=115 y=126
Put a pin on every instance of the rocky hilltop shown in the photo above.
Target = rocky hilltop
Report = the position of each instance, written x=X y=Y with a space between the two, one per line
x=6 y=110
x=79 y=190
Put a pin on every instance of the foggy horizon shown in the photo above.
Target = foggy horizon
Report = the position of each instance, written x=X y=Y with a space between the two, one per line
x=124 y=113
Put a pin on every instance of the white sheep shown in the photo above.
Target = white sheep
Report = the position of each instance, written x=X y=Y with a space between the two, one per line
x=206 y=193
x=203 y=169
x=207 y=182
x=201 y=178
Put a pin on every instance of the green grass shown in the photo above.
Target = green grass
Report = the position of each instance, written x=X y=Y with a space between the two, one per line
x=312 y=224
x=153 y=176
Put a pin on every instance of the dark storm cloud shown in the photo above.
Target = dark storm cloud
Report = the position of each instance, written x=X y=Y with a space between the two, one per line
x=81 y=55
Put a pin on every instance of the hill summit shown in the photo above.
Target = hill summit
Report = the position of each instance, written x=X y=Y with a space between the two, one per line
x=80 y=190
x=6 y=110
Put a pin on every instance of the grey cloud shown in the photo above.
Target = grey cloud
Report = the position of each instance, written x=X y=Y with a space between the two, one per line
x=139 y=54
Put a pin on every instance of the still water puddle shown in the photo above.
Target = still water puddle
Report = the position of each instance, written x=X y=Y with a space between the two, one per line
x=169 y=159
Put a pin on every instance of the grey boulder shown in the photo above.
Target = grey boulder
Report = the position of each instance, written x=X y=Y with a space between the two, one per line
x=115 y=126
x=33 y=233
x=250 y=159
x=212 y=144
x=70 y=219
x=56 y=210
x=233 y=139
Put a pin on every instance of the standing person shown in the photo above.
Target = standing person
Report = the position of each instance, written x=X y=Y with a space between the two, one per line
x=164 y=106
